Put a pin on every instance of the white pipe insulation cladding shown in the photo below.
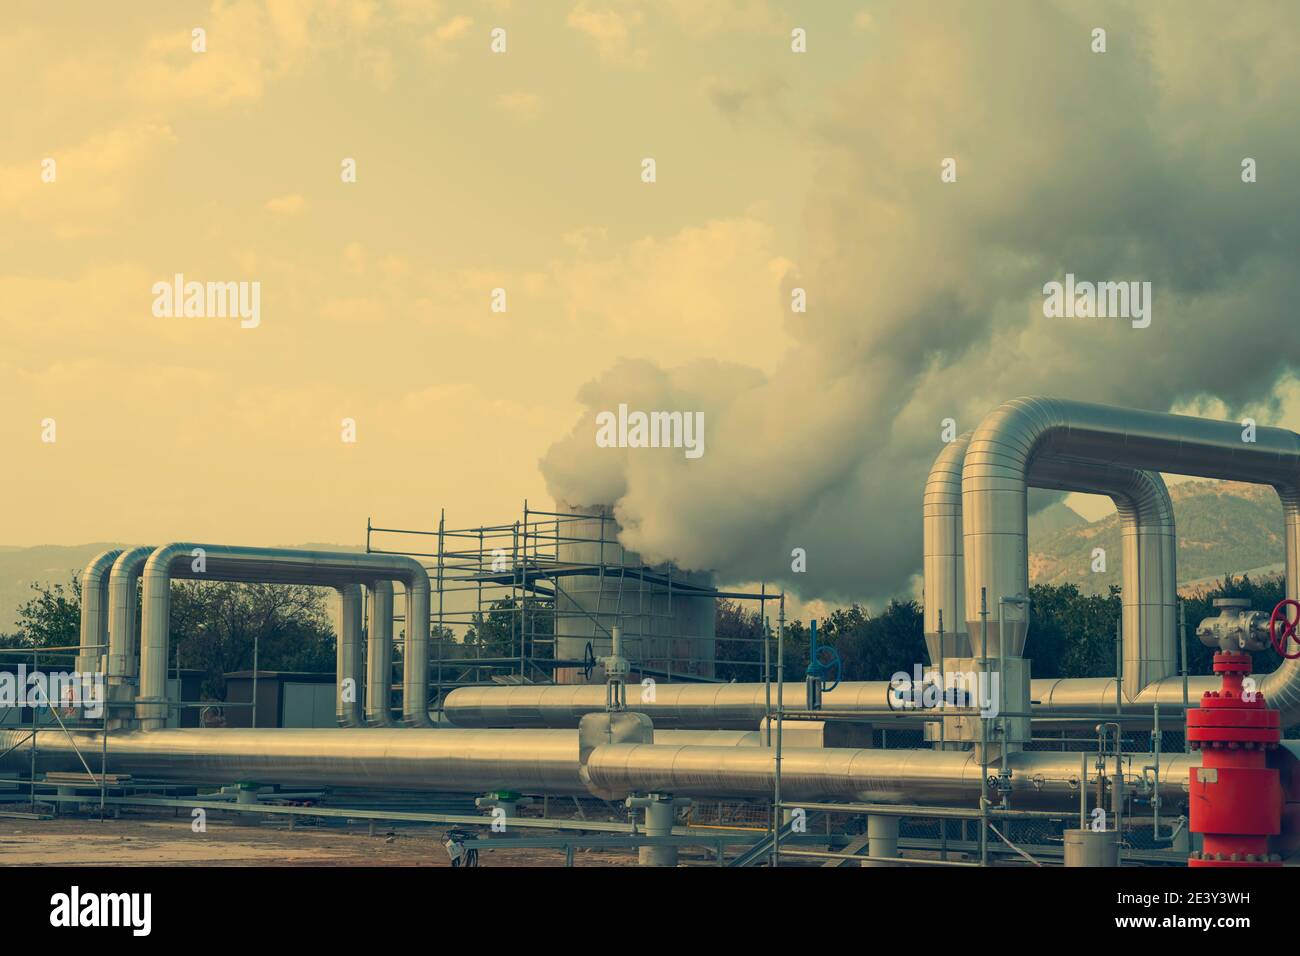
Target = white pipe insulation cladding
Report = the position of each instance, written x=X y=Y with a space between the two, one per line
x=1000 y=460
x=338 y=569
x=94 y=610
x=548 y=761
x=1150 y=580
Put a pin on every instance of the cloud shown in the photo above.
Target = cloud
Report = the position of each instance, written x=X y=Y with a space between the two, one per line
x=723 y=16
x=292 y=205
x=736 y=98
x=448 y=33
x=520 y=103
x=707 y=290
x=91 y=179
x=925 y=298
x=610 y=31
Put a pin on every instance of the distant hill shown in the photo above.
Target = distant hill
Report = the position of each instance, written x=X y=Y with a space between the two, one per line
x=1223 y=527
x=49 y=564
x=1054 y=518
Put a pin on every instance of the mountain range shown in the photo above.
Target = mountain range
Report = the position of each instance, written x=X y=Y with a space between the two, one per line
x=1224 y=527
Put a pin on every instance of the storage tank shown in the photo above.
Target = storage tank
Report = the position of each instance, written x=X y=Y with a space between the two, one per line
x=667 y=615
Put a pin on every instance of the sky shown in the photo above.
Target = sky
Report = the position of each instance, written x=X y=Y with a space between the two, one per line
x=522 y=170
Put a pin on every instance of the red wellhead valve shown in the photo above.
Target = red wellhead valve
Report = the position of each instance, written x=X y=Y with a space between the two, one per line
x=1235 y=797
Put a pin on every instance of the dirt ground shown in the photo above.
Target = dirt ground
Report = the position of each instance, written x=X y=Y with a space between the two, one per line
x=167 y=841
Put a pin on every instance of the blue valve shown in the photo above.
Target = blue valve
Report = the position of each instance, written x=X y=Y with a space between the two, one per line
x=819 y=669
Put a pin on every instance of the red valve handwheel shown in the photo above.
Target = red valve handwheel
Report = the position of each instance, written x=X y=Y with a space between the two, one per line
x=1288 y=628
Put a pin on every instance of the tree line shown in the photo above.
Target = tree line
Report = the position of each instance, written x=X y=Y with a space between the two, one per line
x=1071 y=634
x=214 y=627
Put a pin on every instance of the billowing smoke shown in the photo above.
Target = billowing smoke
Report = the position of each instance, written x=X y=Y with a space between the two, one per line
x=925 y=299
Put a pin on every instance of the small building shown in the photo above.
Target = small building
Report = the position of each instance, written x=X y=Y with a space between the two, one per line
x=284 y=699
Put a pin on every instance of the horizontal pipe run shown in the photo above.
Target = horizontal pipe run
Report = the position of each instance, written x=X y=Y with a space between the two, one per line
x=1037 y=779
x=547 y=761
x=742 y=706
x=471 y=761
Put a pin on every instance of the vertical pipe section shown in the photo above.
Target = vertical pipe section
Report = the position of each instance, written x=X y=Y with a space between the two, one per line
x=882 y=839
x=94 y=610
x=942 y=557
x=122 y=659
x=415 y=654
x=1149 y=572
x=348 y=645
x=379 y=656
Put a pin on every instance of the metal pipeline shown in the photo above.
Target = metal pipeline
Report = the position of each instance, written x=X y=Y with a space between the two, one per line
x=379 y=656
x=94 y=610
x=547 y=761
x=122 y=660
x=1037 y=779
x=742 y=706
x=214 y=562
x=999 y=459
x=1150 y=581
x=472 y=761
x=730 y=706
x=1149 y=556
x=347 y=698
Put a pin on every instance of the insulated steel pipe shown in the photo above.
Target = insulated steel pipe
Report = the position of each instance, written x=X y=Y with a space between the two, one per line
x=1149 y=557
x=347 y=696
x=741 y=706
x=1038 y=779
x=471 y=761
x=272 y=565
x=477 y=761
x=94 y=610
x=379 y=656
x=942 y=567
x=728 y=706
x=128 y=567
x=999 y=460
x=1149 y=590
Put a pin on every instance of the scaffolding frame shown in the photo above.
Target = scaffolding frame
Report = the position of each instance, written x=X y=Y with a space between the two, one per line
x=499 y=607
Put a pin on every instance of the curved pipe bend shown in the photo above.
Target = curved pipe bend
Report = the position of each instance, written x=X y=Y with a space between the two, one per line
x=128 y=567
x=94 y=610
x=216 y=562
x=1149 y=620
x=997 y=467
